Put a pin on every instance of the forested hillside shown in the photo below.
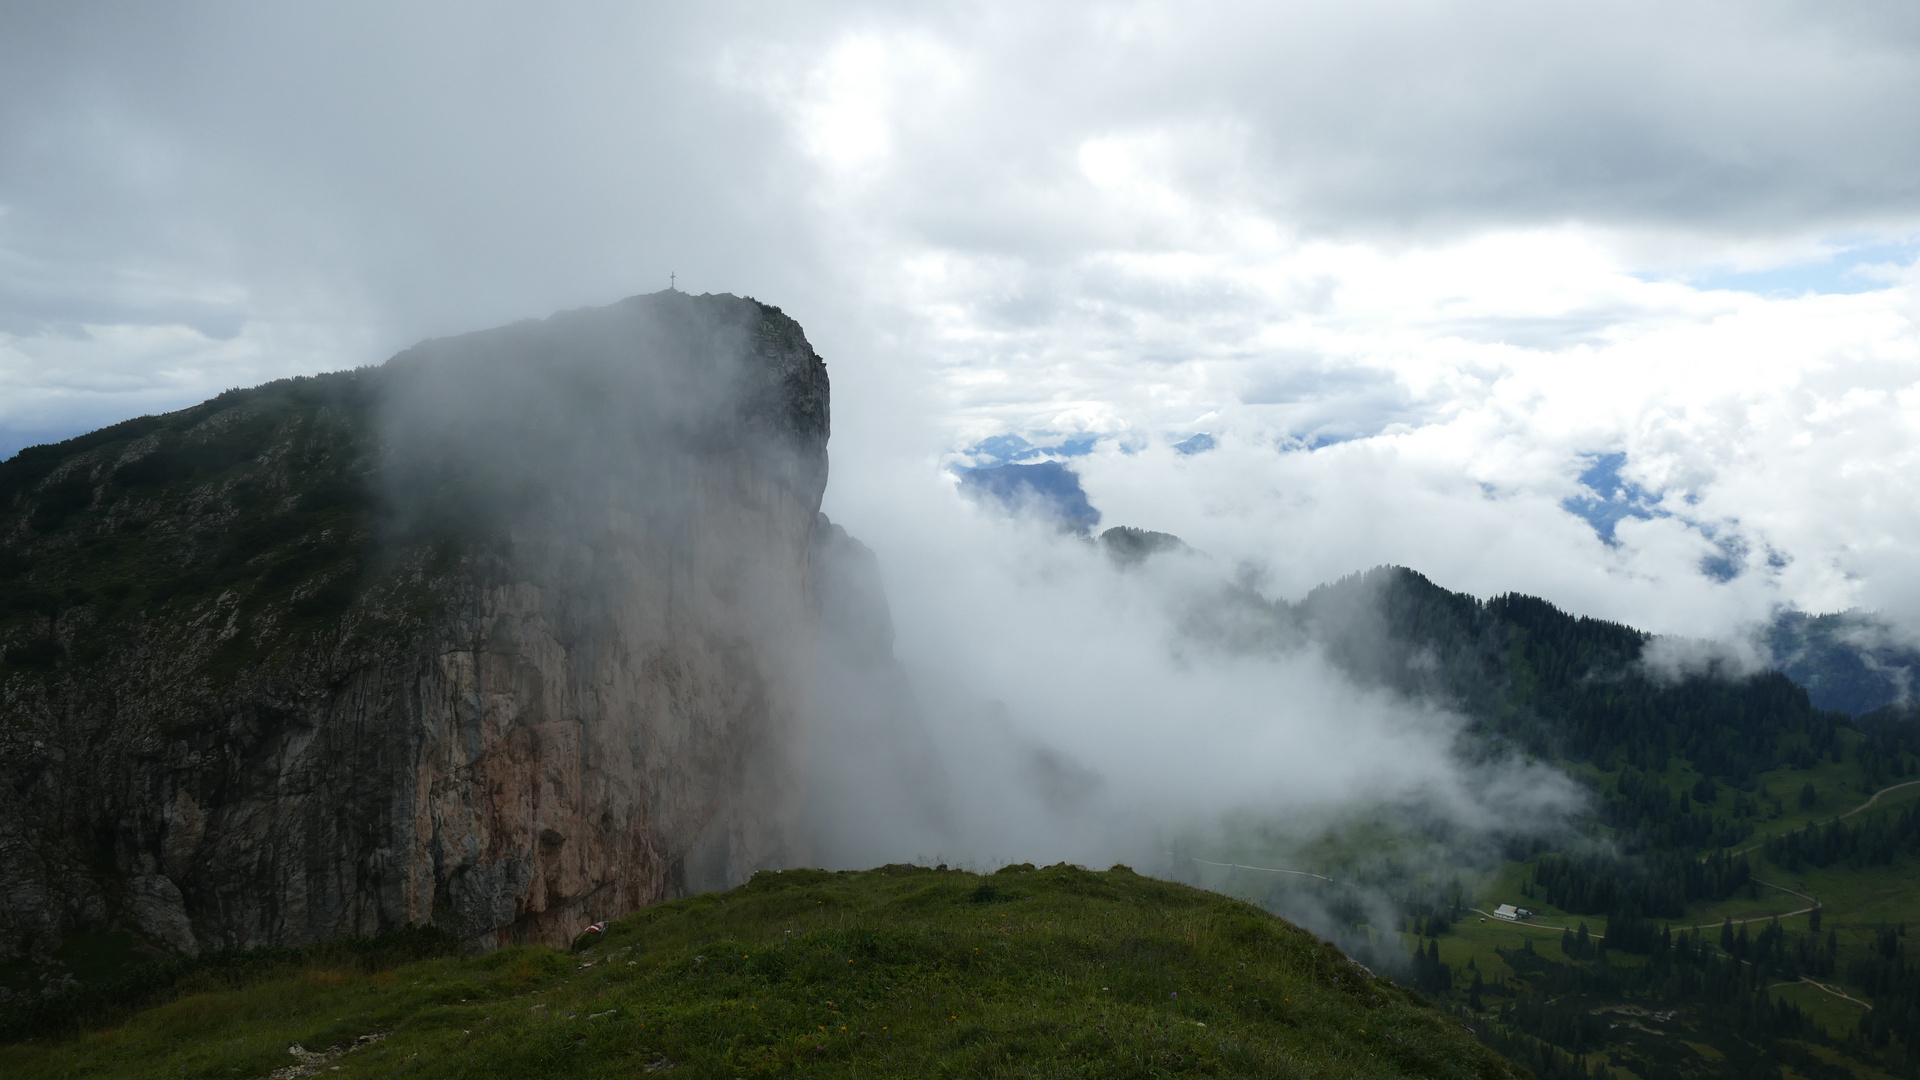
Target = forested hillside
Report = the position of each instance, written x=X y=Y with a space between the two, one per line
x=1736 y=903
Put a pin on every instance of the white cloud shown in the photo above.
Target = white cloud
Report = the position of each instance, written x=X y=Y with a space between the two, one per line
x=1410 y=264
x=1045 y=653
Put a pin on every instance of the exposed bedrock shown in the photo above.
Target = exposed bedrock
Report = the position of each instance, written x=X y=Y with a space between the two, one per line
x=508 y=635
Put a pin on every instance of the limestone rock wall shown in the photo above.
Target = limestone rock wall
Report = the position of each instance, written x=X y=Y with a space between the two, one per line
x=565 y=689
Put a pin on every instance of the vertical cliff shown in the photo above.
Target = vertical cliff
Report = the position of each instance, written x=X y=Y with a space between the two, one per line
x=507 y=635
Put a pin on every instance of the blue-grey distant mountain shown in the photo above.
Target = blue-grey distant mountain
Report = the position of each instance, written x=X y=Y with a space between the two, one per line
x=1047 y=488
x=1850 y=661
x=1012 y=449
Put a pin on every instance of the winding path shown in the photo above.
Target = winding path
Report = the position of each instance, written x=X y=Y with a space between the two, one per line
x=1815 y=904
x=1874 y=798
x=1262 y=869
x=1822 y=986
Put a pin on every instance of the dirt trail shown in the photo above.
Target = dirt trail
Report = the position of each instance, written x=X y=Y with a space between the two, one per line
x=1874 y=798
x=1823 y=986
x=1814 y=903
x=1261 y=869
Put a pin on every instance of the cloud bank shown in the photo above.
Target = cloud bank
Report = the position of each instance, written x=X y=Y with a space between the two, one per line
x=1092 y=709
x=1412 y=267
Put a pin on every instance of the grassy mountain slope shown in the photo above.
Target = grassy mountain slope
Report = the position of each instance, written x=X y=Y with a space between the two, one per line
x=255 y=508
x=900 y=971
x=1753 y=983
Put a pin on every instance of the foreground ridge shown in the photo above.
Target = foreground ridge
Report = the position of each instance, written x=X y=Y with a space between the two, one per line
x=897 y=971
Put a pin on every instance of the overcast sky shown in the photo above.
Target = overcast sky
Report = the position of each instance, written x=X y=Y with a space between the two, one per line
x=1417 y=268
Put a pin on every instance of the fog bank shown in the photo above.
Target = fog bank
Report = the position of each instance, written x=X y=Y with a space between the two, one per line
x=1076 y=709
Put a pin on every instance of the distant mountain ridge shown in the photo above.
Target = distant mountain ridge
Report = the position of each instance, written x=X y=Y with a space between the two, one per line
x=1047 y=489
x=1851 y=661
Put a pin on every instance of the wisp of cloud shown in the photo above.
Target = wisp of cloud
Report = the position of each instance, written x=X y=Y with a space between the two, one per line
x=1073 y=707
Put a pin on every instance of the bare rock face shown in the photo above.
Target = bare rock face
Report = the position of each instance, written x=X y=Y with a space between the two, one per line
x=507 y=636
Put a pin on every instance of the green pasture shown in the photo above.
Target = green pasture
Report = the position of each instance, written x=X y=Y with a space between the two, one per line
x=901 y=971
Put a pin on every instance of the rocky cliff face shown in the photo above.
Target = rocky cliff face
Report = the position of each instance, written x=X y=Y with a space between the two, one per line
x=506 y=636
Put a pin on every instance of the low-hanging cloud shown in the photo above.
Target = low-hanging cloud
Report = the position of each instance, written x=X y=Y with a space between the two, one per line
x=1673 y=659
x=1077 y=709
x=1131 y=223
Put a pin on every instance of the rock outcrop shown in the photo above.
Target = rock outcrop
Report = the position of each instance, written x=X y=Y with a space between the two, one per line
x=507 y=636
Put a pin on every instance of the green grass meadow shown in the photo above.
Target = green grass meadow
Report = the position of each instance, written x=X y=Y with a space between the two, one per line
x=900 y=971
